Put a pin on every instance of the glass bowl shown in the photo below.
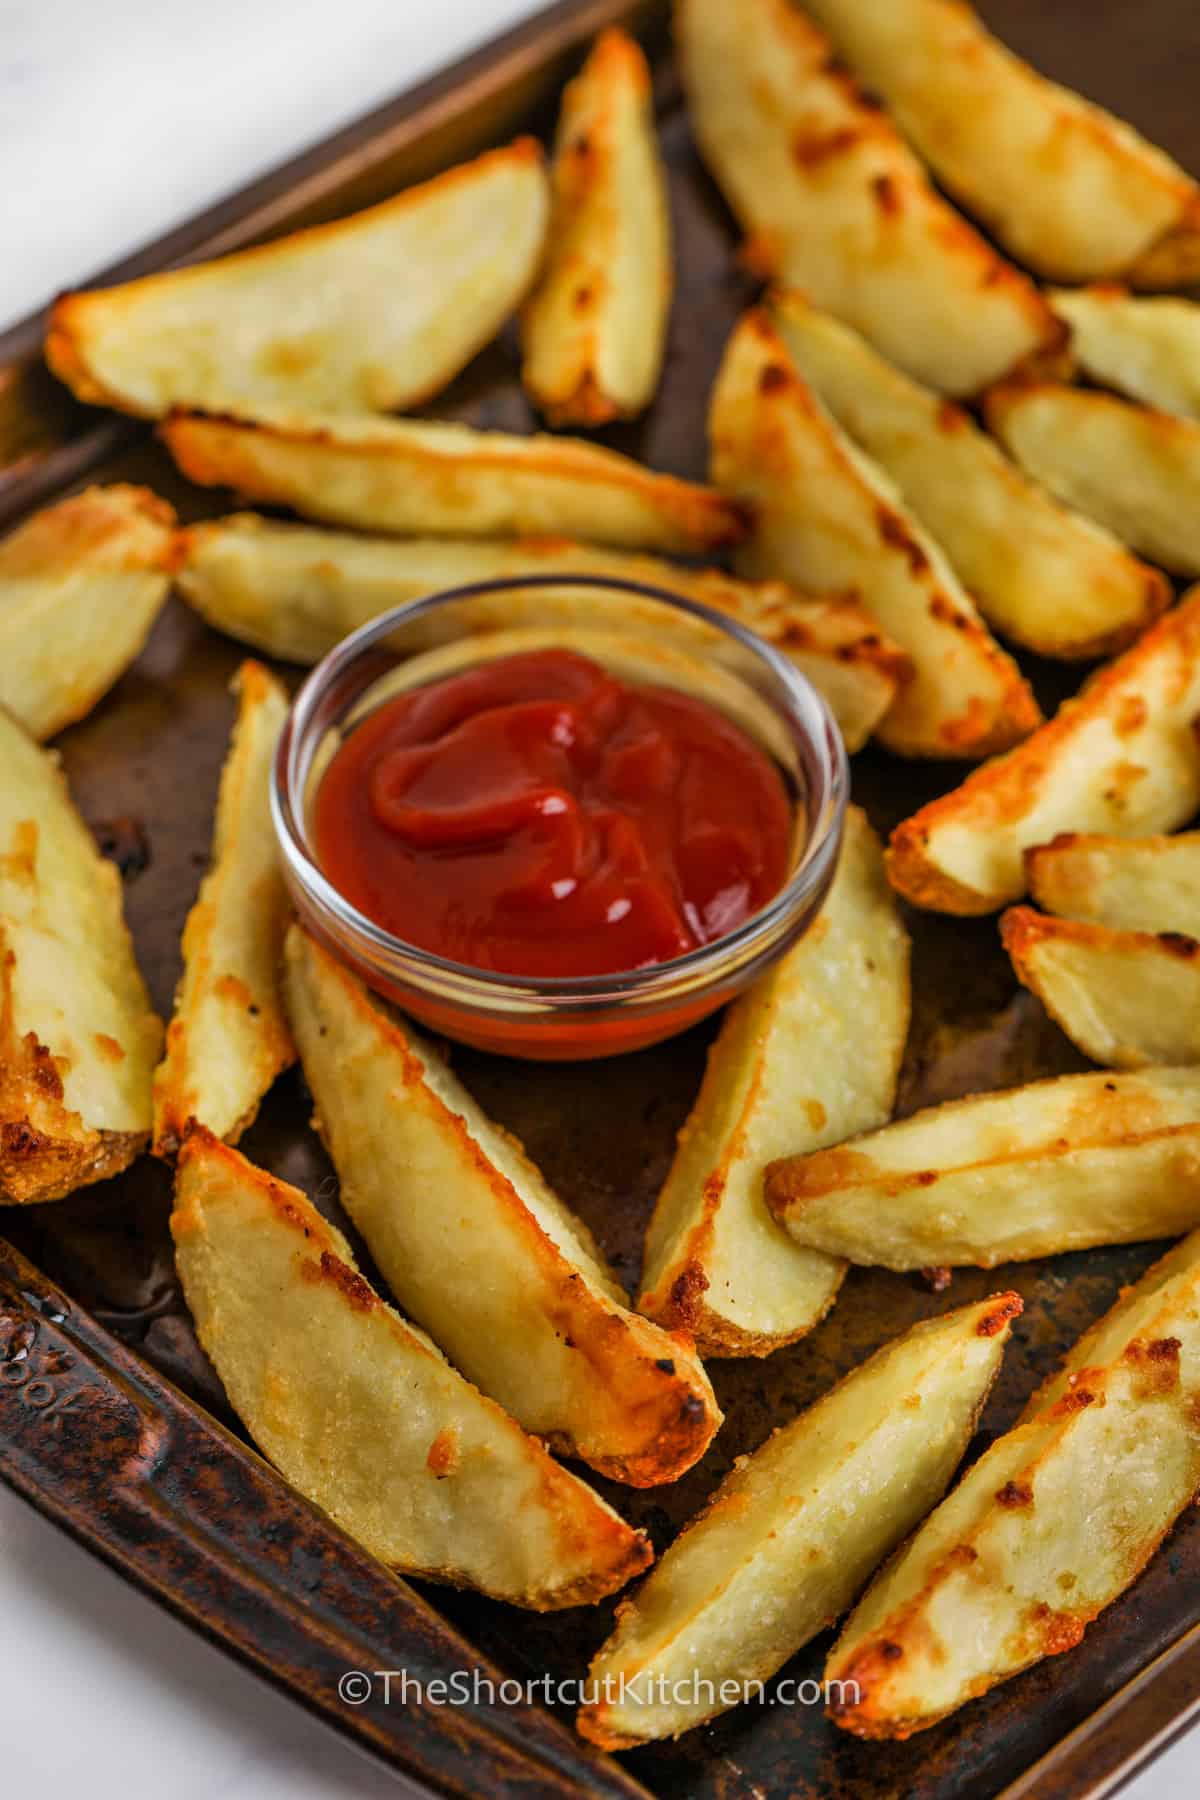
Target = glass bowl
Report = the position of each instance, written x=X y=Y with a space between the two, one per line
x=643 y=634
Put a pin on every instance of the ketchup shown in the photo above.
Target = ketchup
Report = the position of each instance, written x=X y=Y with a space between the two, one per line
x=537 y=816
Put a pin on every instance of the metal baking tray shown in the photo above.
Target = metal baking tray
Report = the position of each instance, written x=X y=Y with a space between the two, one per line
x=113 y=1424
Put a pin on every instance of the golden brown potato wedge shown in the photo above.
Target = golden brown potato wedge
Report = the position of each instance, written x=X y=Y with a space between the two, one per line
x=1073 y=192
x=1146 y=348
x=1044 y=576
x=477 y=1247
x=1120 y=757
x=371 y=313
x=1125 y=998
x=78 y=1038
x=361 y=1412
x=81 y=583
x=825 y=517
x=790 y=1068
x=834 y=202
x=1004 y=1177
x=229 y=1039
x=1132 y=884
x=794 y=1530
x=295 y=591
x=1052 y=1523
x=1133 y=470
x=594 y=328
x=404 y=475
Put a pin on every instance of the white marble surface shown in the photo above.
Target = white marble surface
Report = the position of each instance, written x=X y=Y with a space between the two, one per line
x=119 y=118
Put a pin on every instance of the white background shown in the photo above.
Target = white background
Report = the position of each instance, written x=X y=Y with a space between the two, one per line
x=118 y=119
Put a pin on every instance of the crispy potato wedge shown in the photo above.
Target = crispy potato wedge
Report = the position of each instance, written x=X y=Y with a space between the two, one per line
x=1052 y=1523
x=1133 y=470
x=595 y=327
x=1125 y=998
x=78 y=1037
x=790 y=1067
x=477 y=1247
x=1146 y=348
x=794 y=1530
x=371 y=313
x=1044 y=576
x=1004 y=1177
x=229 y=1039
x=1131 y=884
x=826 y=517
x=81 y=583
x=1120 y=757
x=295 y=591
x=362 y=1413
x=834 y=202
x=1071 y=191
x=404 y=475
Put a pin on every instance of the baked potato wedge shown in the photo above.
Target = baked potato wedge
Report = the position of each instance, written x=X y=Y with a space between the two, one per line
x=1148 y=348
x=1044 y=576
x=1125 y=998
x=1052 y=1523
x=1071 y=191
x=477 y=1247
x=794 y=1530
x=368 y=314
x=1003 y=1177
x=791 y=1067
x=594 y=329
x=1131 y=884
x=294 y=591
x=81 y=583
x=826 y=517
x=229 y=1039
x=362 y=1413
x=1135 y=471
x=78 y=1036
x=834 y=202
x=1120 y=757
x=407 y=475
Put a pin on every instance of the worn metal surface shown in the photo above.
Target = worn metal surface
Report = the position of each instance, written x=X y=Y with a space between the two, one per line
x=603 y=1132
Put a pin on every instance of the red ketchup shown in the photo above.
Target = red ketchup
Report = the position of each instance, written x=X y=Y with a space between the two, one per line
x=538 y=816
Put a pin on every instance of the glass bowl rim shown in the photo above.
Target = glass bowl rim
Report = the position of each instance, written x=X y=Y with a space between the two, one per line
x=754 y=934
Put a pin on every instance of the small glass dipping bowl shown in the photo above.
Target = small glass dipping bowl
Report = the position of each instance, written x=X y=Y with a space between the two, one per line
x=642 y=634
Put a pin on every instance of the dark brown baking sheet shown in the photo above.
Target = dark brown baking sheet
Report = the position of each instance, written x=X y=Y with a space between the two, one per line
x=175 y=1500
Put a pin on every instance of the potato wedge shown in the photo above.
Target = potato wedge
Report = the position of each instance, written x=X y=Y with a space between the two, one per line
x=825 y=517
x=1146 y=348
x=81 y=583
x=794 y=1530
x=1131 y=884
x=78 y=1037
x=1046 y=577
x=295 y=591
x=1004 y=1177
x=790 y=1067
x=479 y=1250
x=1052 y=1523
x=834 y=202
x=594 y=329
x=229 y=1039
x=1133 y=470
x=1125 y=998
x=401 y=475
x=1070 y=190
x=362 y=1413
x=368 y=314
x=1120 y=757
